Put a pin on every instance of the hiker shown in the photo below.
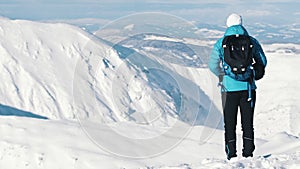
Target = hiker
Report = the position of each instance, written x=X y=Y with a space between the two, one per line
x=238 y=60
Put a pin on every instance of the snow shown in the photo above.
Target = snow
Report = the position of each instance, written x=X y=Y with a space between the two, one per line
x=129 y=27
x=67 y=146
x=32 y=57
x=189 y=41
x=162 y=38
x=48 y=76
x=210 y=33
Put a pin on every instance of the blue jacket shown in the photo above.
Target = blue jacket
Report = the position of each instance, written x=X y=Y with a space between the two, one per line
x=217 y=54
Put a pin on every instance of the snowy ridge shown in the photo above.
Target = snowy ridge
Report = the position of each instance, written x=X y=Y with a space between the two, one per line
x=39 y=61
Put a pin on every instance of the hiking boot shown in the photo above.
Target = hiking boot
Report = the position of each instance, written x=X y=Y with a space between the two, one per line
x=247 y=155
x=229 y=157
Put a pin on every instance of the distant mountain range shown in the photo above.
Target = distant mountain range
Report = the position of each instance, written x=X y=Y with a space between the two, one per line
x=264 y=32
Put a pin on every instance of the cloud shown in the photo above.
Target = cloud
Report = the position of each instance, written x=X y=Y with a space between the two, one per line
x=190 y=1
x=209 y=11
x=256 y=13
x=82 y=21
x=297 y=13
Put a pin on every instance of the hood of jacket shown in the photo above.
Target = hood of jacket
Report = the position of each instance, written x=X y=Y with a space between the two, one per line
x=236 y=29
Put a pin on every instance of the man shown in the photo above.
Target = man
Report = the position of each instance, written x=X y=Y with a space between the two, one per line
x=236 y=93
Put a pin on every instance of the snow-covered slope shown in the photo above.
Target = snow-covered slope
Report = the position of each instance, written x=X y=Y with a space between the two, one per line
x=50 y=72
x=36 y=144
x=38 y=65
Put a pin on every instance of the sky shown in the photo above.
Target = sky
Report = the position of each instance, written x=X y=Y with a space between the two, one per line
x=210 y=12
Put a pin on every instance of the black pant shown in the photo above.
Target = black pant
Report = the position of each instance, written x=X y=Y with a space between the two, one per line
x=230 y=102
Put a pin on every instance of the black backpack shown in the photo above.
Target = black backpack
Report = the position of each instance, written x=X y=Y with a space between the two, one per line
x=239 y=62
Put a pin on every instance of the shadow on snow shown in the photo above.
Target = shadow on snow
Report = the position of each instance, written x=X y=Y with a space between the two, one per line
x=10 y=111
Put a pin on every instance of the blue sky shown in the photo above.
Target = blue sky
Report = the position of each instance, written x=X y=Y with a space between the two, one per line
x=211 y=12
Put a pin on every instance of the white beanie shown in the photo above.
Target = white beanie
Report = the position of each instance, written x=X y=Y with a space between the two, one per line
x=234 y=19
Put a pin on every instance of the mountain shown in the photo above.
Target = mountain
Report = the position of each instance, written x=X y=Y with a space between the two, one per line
x=42 y=63
x=70 y=99
x=266 y=33
x=37 y=65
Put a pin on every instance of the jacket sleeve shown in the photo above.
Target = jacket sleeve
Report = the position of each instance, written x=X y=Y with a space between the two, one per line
x=214 y=60
x=259 y=54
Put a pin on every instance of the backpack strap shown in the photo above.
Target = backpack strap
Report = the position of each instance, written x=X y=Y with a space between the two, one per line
x=250 y=92
x=220 y=84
